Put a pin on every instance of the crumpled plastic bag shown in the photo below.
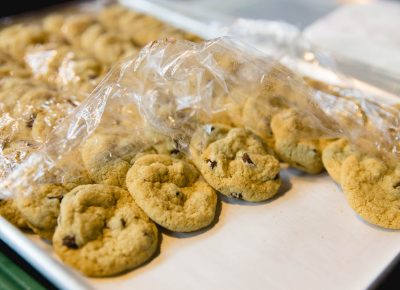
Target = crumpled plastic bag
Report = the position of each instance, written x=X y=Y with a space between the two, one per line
x=173 y=86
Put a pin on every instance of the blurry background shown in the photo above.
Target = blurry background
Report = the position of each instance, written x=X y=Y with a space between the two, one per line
x=298 y=12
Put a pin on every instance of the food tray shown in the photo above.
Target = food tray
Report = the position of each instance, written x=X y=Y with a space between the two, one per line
x=305 y=238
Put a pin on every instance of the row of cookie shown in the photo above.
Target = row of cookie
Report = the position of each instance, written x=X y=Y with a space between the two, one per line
x=30 y=109
x=112 y=33
x=72 y=71
x=139 y=28
x=171 y=191
x=85 y=32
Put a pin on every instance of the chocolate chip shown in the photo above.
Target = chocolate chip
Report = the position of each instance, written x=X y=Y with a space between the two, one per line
x=31 y=120
x=174 y=151
x=69 y=242
x=211 y=163
x=72 y=103
x=237 y=195
x=176 y=143
x=177 y=193
x=209 y=129
x=246 y=159
x=59 y=197
x=396 y=185
x=123 y=222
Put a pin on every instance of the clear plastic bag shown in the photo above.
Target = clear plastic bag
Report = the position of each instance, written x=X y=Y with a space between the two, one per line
x=49 y=63
x=156 y=101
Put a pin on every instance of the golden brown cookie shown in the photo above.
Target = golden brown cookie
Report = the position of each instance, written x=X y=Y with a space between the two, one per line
x=102 y=231
x=372 y=189
x=236 y=162
x=172 y=193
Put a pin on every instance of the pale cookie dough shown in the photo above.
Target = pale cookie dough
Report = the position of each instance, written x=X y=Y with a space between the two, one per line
x=172 y=193
x=334 y=155
x=236 y=162
x=295 y=142
x=102 y=231
x=372 y=189
x=10 y=212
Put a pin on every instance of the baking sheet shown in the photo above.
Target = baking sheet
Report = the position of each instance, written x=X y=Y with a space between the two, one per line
x=306 y=238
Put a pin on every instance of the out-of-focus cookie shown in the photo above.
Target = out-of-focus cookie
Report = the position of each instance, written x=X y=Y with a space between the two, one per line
x=40 y=204
x=74 y=26
x=372 y=189
x=40 y=208
x=44 y=121
x=295 y=141
x=102 y=232
x=108 y=157
x=109 y=48
x=334 y=155
x=111 y=15
x=53 y=23
x=172 y=193
x=236 y=162
x=10 y=212
x=15 y=39
x=258 y=113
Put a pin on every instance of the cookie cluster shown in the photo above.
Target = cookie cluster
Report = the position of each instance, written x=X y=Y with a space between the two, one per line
x=48 y=66
x=102 y=205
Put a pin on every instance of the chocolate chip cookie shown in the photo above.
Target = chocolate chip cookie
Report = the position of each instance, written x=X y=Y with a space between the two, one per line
x=372 y=189
x=102 y=232
x=172 y=193
x=236 y=162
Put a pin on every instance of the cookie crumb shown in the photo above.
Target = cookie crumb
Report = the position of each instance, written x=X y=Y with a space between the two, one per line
x=69 y=242
x=212 y=163
x=246 y=159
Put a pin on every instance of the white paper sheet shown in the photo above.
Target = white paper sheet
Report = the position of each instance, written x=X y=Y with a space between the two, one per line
x=307 y=238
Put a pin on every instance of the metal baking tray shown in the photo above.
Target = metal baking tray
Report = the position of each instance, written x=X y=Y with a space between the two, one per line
x=306 y=238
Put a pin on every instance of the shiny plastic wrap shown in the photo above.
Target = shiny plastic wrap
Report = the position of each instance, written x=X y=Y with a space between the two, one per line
x=220 y=110
x=50 y=64
x=174 y=87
